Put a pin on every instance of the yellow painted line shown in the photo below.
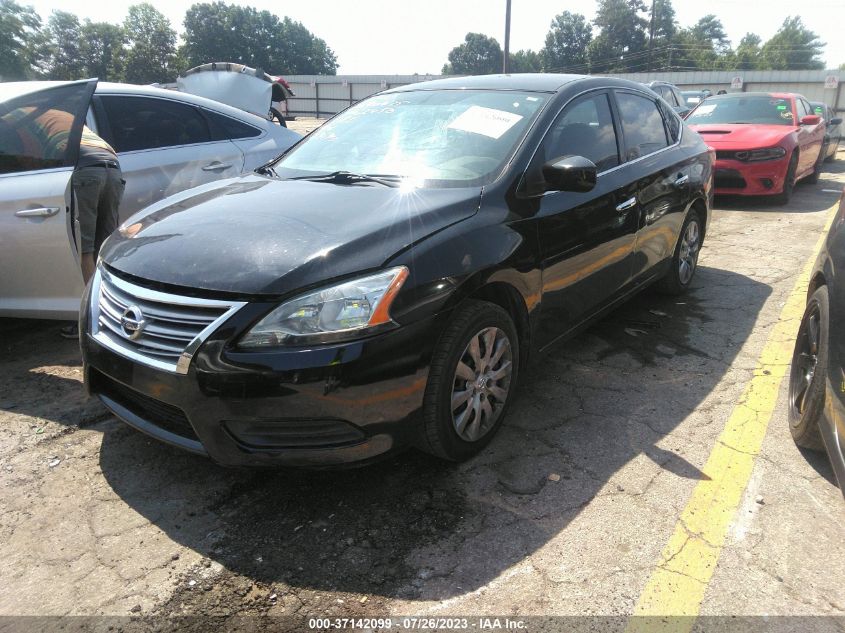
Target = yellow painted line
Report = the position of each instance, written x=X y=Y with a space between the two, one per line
x=676 y=586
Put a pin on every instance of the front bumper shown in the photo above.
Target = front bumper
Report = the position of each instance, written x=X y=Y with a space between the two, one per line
x=325 y=406
x=734 y=177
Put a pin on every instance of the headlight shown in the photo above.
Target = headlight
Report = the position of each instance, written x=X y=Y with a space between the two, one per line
x=770 y=153
x=347 y=310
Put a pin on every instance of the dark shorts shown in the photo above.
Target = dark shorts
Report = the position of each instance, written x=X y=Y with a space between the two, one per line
x=98 y=191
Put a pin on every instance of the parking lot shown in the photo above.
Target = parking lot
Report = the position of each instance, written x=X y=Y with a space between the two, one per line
x=571 y=511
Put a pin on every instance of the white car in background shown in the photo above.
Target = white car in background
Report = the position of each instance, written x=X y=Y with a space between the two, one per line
x=166 y=141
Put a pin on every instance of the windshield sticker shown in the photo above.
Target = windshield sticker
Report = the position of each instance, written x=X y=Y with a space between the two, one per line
x=485 y=121
x=781 y=107
x=705 y=109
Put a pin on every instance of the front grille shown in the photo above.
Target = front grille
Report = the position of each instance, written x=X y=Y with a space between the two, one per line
x=169 y=329
x=729 y=179
x=163 y=415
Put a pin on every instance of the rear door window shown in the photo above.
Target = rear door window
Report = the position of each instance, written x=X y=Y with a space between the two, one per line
x=226 y=128
x=584 y=128
x=139 y=123
x=642 y=125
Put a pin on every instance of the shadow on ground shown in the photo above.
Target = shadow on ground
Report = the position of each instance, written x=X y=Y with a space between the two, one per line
x=418 y=528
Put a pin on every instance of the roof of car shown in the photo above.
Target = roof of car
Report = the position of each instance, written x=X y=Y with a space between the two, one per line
x=535 y=82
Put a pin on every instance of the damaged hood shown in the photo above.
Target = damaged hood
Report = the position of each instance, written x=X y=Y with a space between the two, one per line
x=254 y=235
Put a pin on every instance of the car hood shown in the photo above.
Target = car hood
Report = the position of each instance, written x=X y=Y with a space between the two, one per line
x=744 y=135
x=254 y=235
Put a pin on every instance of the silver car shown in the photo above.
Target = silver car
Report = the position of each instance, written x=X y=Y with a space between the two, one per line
x=166 y=141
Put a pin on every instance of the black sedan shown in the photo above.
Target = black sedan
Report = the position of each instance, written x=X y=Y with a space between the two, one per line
x=817 y=374
x=384 y=283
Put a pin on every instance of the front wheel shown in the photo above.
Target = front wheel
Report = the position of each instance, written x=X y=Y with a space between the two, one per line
x=789 y=181
x=472 y=378
x=808 y=372
x=685 y=259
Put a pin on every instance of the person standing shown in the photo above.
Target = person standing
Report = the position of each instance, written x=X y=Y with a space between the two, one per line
x=97 y=185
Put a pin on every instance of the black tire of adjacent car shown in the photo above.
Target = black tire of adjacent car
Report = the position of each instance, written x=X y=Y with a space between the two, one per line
x=671 y=283
x=275 y=114
x=439 y=435
x=788 y=182
x=804 y=425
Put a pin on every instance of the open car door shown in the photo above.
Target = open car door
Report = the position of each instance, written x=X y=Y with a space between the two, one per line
x=40 y=131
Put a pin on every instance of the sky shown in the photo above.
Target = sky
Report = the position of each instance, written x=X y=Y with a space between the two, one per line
x=402 y=37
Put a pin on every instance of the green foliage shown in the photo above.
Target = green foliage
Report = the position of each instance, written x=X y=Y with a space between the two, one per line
x=527 y=61
x=622 y=36
x=794 y=46
x=478 y=55
x=214 y=32
x=566 y=43
x=18 y=26
x=101 y=50
x=57 y=47
x=152 y=46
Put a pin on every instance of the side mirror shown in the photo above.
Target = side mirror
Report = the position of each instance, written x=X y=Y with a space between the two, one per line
x=811 y=119
x=570 y=173
x=835 y=121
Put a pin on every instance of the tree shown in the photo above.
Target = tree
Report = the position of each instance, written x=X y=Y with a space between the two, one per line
x=478 y=55
x=18 y=26
x=566 y=43
x=710 y=29
x=56 y=47
x=152 y=45
x=101 y=50
x=622 y=37
x=748 y=54
x=214 y=32
x=525 y=62
x=662 y=30
x=793 y=47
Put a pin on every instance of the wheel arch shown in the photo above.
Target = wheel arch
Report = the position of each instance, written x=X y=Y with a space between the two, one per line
x=507 y=297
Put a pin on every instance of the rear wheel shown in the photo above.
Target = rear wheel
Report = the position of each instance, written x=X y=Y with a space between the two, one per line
x=808 y=372
x=817 y=168
x=275 y=114
x=685 y=260
x=789 y=181
x=471 y=381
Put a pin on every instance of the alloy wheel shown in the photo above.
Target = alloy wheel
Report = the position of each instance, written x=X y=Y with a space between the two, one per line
x=688 y=256
x=805 y=361
x=481 y=383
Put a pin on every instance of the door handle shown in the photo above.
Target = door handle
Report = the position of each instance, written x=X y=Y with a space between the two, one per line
x=43 y=212
x=628 y=204
x=682 y=180
x=217 y=166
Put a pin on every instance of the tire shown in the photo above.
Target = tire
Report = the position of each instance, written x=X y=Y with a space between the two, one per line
x=685 y=258
x=789 y=181
x=808 y=372
x=460 y=432
x=275 y=114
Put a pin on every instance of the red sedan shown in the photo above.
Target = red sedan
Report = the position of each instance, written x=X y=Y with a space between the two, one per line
x=764 y=142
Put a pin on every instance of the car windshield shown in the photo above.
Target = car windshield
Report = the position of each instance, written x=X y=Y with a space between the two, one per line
x=743 y=109
x=433 y=138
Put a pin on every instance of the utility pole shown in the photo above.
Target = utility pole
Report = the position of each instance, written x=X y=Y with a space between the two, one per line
x=650 y=37
x=506 y=61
